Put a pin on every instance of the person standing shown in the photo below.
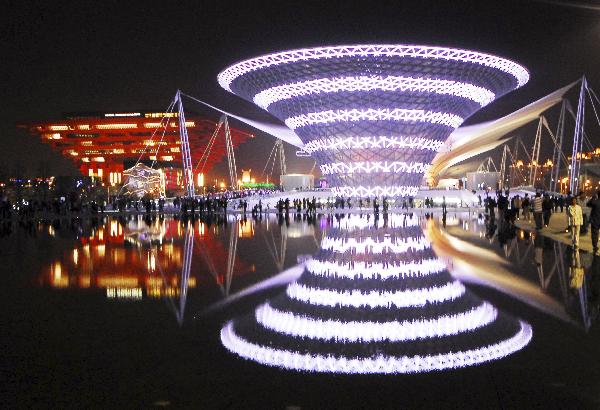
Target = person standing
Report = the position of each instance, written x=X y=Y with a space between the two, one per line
x=526 y=206
x=594 y=204
x=517 y=206
x=547 y=207
x=537 y=210
x=575 y=221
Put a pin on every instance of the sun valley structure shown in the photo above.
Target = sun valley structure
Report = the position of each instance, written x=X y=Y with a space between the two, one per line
x=373 y=116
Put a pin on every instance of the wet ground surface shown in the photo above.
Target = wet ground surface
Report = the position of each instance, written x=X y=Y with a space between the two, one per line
x=113 y=314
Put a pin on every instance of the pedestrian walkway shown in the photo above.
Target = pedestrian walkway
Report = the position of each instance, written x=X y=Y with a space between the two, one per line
x=557 y=230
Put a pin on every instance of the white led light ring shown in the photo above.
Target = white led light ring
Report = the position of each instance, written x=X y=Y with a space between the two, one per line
x=382 y=364
x=375 y=191
x=227 y=76
x=371 y=246
x=376 y=298
x=472 y=92
x=374 y=114
x=363 y=270
x=380 y=142
x=446 y=325
x=374 y=166
x=356 y=222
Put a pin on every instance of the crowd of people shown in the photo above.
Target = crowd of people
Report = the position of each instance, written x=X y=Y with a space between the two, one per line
x=582 y=214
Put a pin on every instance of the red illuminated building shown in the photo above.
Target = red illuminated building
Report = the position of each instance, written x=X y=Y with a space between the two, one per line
x=104 y=144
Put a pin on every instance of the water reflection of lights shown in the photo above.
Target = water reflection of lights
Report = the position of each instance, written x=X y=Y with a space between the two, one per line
x=157 y=266
x=365 y=270
x=368 y=245
x=124 y=293
x=373 y=364
x=301 y=326
x=474 y=264
x=101 y=261
x=366 y=221
x=375 y=300
x=245 y=229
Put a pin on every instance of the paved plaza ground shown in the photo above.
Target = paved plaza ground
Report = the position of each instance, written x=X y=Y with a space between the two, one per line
x=556 y=230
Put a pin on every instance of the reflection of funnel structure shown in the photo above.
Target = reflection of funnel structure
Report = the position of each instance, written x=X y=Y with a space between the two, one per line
x=373 y=116
x=375 y=300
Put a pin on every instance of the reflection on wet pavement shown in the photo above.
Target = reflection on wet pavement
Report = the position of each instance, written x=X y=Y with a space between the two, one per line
x=544 y=273
x=130 y=312
x=375 y=300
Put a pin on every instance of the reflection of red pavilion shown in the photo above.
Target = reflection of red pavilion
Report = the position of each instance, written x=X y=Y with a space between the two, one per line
x=103 y=144
x=117 y=258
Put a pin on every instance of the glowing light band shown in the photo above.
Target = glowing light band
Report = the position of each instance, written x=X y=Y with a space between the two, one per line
x=376 y=364
x=375 y=166
x=369 y=83
x=377 y=298
x=375 y=191
x=394 y=331
x=374 y=114
x=227 y=76
x=363 y=270
x=354 y=222
x=381 y=142
x=371 y=246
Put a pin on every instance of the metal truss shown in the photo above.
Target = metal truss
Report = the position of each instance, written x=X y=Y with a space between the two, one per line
x=374 y=114
x=368 y=167
x=486 y=165
x=375 y=191
x=277 y=151
x=557 y=153
x=230 y=153
x=480 y=95
x=373 y=109
x=578 y=141
x=227 y=76
x=188 y=173
x=339 y=143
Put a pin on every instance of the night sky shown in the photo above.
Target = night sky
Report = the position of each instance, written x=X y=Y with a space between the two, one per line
x=120 y=56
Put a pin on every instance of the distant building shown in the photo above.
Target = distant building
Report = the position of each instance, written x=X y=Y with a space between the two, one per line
x=103 y=145
x=290 y=182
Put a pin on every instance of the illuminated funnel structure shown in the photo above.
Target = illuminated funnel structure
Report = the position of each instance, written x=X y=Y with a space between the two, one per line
x=373 y=116
x=375 y=300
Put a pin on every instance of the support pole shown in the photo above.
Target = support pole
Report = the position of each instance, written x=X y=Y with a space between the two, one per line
x=230 y=153
x=557 y=154
x=578 y=140
x=281 y=152
x=535 y=154
x=502 y=184
x=186 y=157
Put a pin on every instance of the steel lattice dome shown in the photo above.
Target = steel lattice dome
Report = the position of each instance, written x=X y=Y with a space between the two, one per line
x=373 y=116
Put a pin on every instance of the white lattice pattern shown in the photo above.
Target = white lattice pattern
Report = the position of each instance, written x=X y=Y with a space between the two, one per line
x=375 y=191
x=355 y=222
x=377 y=298
x=375 y=364
x=370 y=245
x=394 y=331
x=364 y=270
x=374 y=114
x=379 y=142
x=472 y=92
x=227 y=76
x=375 y=166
